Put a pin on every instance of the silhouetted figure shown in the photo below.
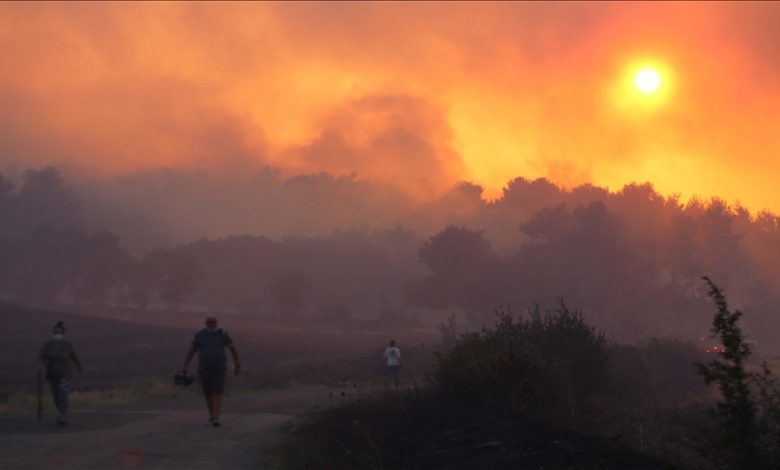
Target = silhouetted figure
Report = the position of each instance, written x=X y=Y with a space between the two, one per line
x=56 y=355
x=393 y=358
x=210 y=344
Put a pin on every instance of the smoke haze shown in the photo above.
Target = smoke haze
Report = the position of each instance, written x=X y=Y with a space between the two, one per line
x=418 y=96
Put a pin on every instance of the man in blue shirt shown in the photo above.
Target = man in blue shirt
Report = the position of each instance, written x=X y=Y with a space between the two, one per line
x=210 y=344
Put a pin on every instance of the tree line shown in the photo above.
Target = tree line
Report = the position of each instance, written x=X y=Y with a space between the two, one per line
x=631 y=259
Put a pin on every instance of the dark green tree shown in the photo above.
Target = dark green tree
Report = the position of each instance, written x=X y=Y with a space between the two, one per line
x=736 y=413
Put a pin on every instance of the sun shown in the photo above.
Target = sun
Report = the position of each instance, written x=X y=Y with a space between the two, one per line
x=644 y=86
x=647 y=80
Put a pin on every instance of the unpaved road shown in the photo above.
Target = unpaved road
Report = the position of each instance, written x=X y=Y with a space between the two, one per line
x=168 y=434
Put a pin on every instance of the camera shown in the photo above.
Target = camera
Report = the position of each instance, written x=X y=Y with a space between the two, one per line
x=182 y=379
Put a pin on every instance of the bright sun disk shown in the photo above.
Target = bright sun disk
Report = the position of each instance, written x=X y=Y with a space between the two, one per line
x=647 y=80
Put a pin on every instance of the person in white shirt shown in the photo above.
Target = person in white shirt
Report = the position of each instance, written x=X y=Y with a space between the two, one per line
x=393 y=358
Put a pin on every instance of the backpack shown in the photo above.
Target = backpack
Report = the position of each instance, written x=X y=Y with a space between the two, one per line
x=223 y=336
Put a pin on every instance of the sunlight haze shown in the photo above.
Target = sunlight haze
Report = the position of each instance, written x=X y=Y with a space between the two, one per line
x=416 y=95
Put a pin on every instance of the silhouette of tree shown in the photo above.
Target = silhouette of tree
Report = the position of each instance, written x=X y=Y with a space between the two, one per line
x=585 y=194
x=43 y=199
x=288 y=291
x=736 y=412
x=102 y=264
x=175 y=276
x=455 y=250
x=529 y=197
x=632 y=257
x=139 y=284
x=6 y=196
x=461 y=262
x=42 y=265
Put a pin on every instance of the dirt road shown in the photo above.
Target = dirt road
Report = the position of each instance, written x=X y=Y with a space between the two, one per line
x=170 y=434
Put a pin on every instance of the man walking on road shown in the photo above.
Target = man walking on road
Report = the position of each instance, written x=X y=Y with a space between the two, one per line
x=56 y=355
x=393 y=358
x=210 y=344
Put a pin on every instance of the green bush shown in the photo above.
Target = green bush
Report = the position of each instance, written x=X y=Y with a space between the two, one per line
x=549 y=363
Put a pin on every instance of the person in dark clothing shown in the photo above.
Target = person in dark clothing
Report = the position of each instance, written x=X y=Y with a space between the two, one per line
x=210 y=344
x=56 y=355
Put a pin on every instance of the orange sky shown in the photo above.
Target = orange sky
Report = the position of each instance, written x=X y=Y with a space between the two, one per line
x=421 y=95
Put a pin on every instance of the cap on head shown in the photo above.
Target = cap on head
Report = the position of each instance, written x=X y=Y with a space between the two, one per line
x=59 y=327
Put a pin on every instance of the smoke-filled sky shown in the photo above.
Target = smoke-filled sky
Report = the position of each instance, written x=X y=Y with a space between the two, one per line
x=419 y=95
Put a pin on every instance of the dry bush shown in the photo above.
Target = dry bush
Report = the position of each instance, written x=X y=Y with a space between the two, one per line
x=551 y=362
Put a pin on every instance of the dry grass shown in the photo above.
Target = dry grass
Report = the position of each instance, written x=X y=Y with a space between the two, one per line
x=134 y=391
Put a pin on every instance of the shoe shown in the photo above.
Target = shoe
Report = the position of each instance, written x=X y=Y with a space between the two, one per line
x=210 y=422
x=216 y=424
x=62 y=421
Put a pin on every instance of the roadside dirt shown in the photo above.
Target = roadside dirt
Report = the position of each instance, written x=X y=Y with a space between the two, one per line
x=169 y=434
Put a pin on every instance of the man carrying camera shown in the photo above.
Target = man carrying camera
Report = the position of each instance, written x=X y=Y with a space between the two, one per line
x=210 y=344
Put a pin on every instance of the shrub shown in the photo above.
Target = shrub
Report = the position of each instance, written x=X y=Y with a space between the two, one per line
x=551 y=363
x=449 y=333
x=656 y=369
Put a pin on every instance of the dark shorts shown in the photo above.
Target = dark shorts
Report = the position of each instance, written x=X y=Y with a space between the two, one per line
x=212 y=380
x=393 y=371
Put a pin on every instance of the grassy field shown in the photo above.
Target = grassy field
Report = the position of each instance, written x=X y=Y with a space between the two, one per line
x=135 y=353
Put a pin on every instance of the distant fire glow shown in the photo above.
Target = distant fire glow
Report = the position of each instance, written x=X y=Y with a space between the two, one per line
x=415 y=97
